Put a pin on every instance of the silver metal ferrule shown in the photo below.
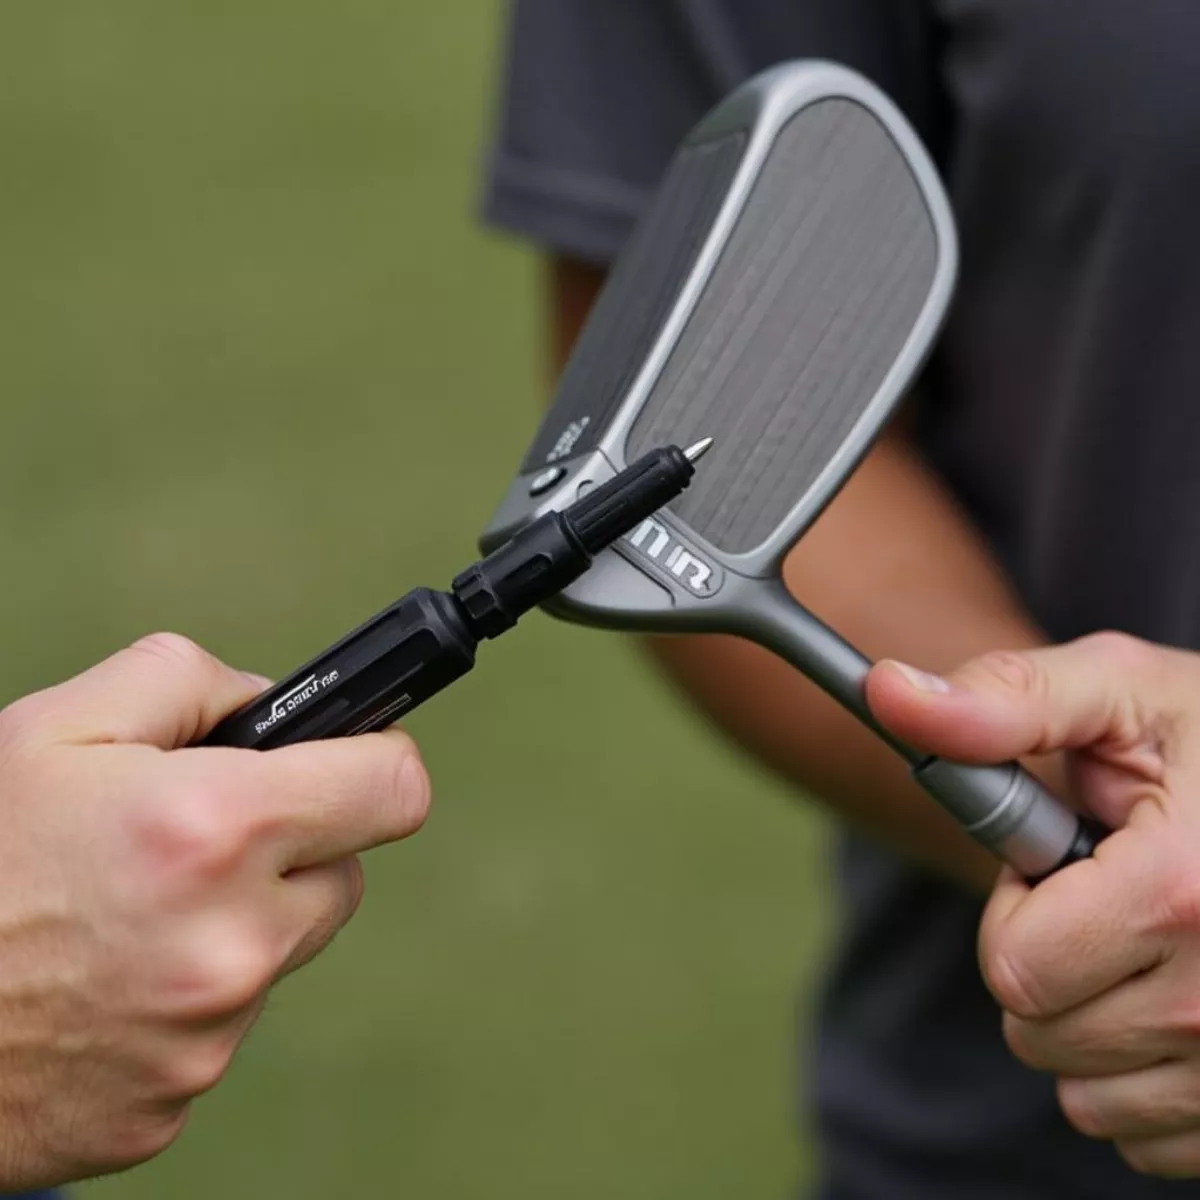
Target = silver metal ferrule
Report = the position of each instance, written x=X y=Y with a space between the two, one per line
x=1005 y=809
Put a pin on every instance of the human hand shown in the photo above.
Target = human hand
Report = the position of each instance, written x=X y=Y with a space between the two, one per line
x=1098 y=967
x=153 y=893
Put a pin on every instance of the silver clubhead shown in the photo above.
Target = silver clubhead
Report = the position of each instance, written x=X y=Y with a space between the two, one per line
x=779 y=295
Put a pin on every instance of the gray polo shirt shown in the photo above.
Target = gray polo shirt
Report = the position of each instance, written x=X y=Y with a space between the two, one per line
x=1063 y=408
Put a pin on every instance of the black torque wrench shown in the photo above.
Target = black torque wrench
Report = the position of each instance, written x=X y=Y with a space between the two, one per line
x=426 y=640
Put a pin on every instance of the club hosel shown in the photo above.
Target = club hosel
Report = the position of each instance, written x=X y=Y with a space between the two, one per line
x=1007 y=810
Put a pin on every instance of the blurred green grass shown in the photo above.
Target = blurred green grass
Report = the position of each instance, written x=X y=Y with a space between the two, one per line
x=261 y=372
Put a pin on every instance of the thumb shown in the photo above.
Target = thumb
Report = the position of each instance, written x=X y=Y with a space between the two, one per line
x=164 y=691
x=1106 y=690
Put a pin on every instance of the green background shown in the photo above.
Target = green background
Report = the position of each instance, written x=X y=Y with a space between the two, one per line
x=261 y=371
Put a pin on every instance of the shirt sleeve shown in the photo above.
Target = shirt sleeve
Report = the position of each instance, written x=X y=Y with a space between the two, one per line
x=595 y=95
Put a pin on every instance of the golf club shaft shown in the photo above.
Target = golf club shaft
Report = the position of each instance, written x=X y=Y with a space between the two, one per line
x=1002 y=807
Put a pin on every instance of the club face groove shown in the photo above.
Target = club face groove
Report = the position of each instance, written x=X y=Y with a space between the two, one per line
x=780 y=295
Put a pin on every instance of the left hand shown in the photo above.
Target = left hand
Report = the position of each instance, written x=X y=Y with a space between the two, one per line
x=1098 y=967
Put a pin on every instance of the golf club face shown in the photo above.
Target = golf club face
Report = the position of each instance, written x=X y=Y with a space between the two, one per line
x=780 y=294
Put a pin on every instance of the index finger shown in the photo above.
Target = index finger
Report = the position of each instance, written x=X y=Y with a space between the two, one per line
x=164 y=690
x=326 y=800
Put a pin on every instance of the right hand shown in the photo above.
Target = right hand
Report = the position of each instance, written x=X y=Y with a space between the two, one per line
x=152 y=894
x=1097 y=968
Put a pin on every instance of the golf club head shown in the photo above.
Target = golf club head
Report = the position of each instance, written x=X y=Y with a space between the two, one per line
x=779 y=294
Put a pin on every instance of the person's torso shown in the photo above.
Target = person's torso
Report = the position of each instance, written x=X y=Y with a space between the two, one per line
x=1069 y=377
x=1064 y=408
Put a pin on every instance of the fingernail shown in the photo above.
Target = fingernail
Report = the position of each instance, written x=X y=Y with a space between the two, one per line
x=923 y=681
x=256 y=681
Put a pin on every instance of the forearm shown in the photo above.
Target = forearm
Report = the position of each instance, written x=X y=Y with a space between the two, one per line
x=894 y=567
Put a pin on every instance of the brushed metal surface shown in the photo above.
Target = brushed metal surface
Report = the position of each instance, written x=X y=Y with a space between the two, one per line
x=813 y=298
x=644 y=284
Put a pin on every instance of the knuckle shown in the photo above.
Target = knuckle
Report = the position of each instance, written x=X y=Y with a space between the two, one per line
x=1122 y=652
x=1075 y=1101
x=240 y=972
x=1012 y=670
x=1010 y=982
x=251 y=824
x=195 y=836
x=222 y=974
x=1137 y=666
x=196 y=1069
x=173 y=649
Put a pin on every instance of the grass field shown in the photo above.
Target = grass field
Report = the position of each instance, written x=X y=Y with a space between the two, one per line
x=261 y=372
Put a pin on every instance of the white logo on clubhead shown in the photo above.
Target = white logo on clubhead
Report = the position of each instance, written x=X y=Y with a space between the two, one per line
x=666 y=550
